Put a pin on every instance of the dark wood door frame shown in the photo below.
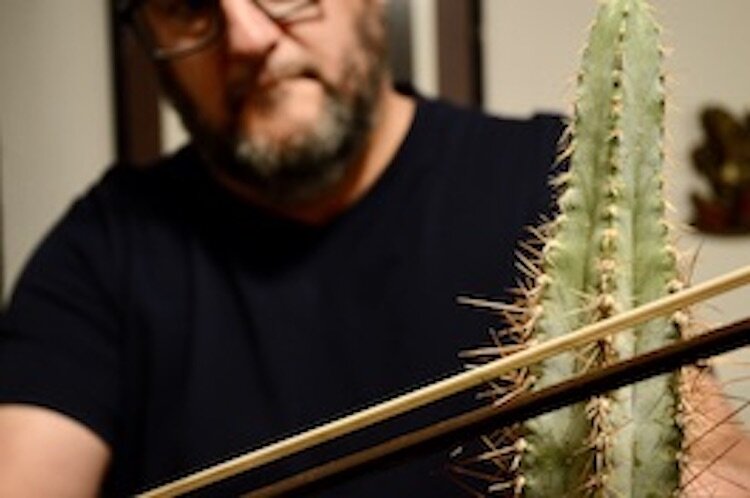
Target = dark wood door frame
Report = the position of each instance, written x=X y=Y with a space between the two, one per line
x=459 y=51
x=136 y=98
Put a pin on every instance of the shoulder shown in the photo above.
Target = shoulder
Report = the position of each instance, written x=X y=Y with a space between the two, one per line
x=128 y=199
x=126 y=185
x=473 y=139
x=89 y=241
x=468 y=140
x=480 y=163
x=450 y=118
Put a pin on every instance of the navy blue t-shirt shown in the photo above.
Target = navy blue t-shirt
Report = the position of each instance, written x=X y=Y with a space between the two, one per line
x=186 y=327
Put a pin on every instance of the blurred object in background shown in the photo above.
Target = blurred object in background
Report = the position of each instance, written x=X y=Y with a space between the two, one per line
x=724 y=160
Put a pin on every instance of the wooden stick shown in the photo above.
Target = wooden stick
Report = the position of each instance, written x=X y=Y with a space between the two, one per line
x=451 y=432
x=450 y=386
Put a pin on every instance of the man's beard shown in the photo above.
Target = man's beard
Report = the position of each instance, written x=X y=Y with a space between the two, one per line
x=308 y=162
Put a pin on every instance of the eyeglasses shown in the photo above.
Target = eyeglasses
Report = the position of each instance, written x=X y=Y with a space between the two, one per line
x=177 y=28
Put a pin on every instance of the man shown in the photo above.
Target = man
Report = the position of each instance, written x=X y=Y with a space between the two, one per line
x=299 y=261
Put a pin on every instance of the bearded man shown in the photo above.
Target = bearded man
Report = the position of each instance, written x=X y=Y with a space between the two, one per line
x=298 y=260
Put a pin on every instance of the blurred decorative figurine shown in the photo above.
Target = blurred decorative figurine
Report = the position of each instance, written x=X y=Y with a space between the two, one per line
x=724 y=160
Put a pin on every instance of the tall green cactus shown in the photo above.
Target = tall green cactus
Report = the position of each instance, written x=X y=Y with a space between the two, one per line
x=607 y=251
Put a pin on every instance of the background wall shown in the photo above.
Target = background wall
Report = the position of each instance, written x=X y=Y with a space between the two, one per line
x=56 y=126
x=531 y=52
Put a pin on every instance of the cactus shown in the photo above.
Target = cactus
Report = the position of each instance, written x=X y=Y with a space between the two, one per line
x=606 y=251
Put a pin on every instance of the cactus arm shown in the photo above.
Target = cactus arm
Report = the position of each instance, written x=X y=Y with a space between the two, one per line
x=609 y=251
x=553 y=463
x=653 y=432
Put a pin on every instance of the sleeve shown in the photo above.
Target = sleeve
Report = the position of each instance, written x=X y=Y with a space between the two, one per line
x=59 y=334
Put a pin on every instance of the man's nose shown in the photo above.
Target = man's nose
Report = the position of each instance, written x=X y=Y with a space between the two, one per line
x=250 y=32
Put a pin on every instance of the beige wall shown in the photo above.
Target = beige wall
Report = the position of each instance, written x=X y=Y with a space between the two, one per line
x=56 y=131
x=531 y=53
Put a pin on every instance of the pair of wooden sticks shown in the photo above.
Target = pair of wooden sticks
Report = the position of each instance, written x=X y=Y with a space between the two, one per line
x=461 y=382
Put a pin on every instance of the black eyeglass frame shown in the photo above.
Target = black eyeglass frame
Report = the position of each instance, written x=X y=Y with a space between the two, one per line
x=126 y=14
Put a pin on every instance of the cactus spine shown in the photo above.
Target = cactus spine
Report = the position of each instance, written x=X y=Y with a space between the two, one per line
x=606 y=251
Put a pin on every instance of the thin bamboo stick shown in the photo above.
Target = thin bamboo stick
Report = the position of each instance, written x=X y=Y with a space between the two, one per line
x=450 y=386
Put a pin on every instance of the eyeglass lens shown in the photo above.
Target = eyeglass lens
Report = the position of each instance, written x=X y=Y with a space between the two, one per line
x=181 y=25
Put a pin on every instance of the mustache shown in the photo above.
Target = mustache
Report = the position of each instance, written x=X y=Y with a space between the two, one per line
x=252 y=83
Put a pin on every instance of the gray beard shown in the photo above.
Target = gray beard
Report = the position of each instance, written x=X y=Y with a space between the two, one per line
x=308 y=163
